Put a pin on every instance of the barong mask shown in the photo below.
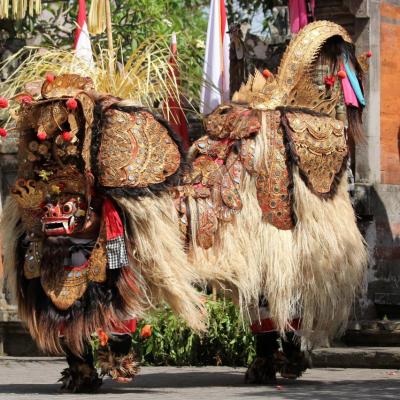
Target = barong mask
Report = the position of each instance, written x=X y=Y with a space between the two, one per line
x=62 y=216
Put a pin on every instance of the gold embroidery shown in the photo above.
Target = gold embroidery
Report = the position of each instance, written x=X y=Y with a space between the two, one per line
x=212 y=147
x=136 y=151
x=232 y=122
x=320 y=145
x=208 y=223
x=247 y=150
x=213 y=183
x=230 y=180
x=205 y=171
x=87 y=105
x=273 y=181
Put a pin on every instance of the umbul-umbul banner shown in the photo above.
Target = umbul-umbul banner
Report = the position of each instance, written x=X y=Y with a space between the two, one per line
x=215 y=90
x=82 y=46
x=173 y=112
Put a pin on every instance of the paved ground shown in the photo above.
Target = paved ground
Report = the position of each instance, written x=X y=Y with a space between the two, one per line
x=36 y=380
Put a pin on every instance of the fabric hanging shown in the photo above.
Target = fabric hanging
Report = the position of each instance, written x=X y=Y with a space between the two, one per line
x=301 y=12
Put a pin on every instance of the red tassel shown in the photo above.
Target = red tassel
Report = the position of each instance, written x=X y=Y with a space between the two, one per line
x=114 y=226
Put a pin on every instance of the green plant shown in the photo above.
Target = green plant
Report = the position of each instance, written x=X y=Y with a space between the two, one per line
x=227 y=341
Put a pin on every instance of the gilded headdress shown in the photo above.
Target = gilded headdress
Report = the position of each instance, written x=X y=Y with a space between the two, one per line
x=293 y=85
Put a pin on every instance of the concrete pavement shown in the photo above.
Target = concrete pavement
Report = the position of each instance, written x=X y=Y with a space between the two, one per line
x=36 y=380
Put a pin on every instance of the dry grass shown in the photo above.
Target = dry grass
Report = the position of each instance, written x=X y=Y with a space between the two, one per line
x=145 y=78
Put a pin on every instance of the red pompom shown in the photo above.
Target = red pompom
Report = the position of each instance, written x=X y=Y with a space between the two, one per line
x=72 y=104
x=3 y=102
x=42 y=135
x=26 y=99
x=342 y=74
x=67 y=136
x=369 y=54
x=267 y=73
x=50 y=78
x=329 y=80
x=3 y=132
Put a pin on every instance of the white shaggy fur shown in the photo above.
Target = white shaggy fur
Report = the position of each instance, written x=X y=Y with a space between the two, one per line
x=312 y=271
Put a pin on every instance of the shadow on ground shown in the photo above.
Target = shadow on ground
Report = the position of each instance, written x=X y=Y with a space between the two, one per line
x=232 y=384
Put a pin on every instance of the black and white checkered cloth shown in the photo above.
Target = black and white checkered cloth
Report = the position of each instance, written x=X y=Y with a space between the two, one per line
x=117 y=256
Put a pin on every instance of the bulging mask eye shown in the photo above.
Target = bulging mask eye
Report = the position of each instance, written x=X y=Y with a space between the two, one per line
x=68 y=208
x=47 y=207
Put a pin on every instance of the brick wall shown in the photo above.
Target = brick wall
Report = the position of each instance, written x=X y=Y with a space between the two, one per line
x=390 y=92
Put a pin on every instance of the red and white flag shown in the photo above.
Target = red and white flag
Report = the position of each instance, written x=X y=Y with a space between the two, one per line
x=82 y=46
x=215 y=90
x=173 y=112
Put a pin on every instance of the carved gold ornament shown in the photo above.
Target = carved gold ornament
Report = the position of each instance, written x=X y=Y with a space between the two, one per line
x=33 y=259
x=319 y=144
x=66 y=85
x=273 y=181
x=29 y=195
x=135 y=151
x=293 y=85
x=64 y=292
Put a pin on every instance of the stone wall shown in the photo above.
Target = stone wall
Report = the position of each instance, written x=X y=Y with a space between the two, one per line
x=383 y=202
x=390 y=93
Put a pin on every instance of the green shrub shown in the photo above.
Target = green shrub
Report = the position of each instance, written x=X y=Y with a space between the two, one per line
x=227 y=341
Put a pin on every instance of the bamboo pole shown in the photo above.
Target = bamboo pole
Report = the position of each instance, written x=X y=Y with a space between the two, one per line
x=109 y=37
x=214 y=291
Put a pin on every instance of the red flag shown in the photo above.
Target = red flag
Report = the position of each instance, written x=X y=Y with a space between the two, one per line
x=215 y=89
x=82 y=46
x=174 y=113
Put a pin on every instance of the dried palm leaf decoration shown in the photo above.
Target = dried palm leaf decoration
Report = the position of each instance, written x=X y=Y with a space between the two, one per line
x=19 y=8
x=97 y=17
x=144 y=78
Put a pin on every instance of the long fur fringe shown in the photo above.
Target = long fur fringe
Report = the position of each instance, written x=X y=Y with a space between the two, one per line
x=101 y=306
x=313 y=271
x=11 y=230
x=158 y=256
x=331 y=256
x=158 y=271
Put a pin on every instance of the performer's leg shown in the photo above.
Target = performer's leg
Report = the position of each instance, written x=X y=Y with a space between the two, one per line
x=263 y=368
x=296 y=360
x=117 y=358
x=81 y=375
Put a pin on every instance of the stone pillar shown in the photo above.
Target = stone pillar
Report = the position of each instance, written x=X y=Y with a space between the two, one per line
x=367 y=37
